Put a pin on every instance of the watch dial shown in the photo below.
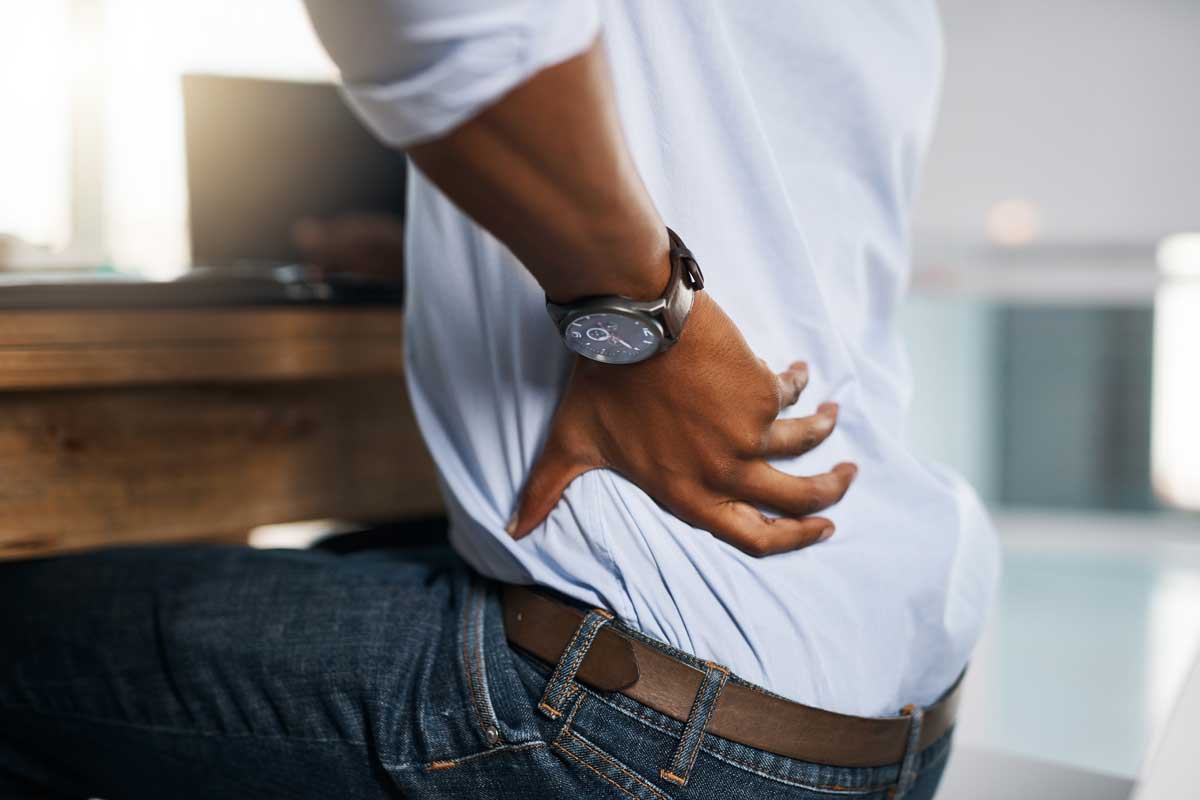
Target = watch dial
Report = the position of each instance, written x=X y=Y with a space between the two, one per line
x=612 y=338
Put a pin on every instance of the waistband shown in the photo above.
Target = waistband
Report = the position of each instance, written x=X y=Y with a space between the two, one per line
x=622 y=660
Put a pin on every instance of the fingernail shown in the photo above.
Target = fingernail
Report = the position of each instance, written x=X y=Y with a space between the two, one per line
x=511 y=527
x=852 y=467
x=828 y=408
x=825 y=534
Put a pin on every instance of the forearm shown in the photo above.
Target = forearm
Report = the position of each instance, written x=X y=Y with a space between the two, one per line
x=508 y=110
x=546 y=170
x=487 y=98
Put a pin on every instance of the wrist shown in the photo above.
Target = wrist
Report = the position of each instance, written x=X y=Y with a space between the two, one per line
x=628 y=262
x=624 y=329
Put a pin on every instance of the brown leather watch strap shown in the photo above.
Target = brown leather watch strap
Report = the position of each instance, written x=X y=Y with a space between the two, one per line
x=672 y=308
x=686 y=280
x=542 y=626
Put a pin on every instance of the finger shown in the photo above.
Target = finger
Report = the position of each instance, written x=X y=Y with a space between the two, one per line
x=746 y=528
x=792 y=437
x=549 y=478
x=791 y=383
x=793 y=495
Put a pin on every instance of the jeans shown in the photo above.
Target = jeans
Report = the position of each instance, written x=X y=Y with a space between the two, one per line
x=227 y=672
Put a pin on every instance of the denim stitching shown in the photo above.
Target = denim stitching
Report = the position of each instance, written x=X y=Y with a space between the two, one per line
x=761 y=772
x=483 y=698
x=698 y=719
x=700 y=732
x=465 y=658
x=611 y=760
x=818 y=787
x=608 y=778
x=449 y=763
x=909 y=763
x=566 y=728
x=570 y=661
x=566 y=732
x=568 y=653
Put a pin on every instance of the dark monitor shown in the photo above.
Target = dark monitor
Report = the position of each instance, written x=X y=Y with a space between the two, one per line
x=263 y=153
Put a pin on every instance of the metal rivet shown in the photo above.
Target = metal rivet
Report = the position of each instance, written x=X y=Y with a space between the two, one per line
x=520 y=616
x=491 y=735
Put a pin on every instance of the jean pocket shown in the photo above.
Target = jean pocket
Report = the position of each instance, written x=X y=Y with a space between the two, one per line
x=585 y=755
x=474 y=645
x=646 y=745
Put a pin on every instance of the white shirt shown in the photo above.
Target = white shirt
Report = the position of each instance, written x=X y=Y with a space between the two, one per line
x=783 y=140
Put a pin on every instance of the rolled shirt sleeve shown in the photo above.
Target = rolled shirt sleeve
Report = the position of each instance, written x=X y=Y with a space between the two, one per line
x=416 y=69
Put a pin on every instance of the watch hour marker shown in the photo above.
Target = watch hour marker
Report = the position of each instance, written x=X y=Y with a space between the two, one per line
x=611 y=337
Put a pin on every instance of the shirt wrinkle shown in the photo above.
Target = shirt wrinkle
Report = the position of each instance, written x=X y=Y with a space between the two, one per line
x=782 y=141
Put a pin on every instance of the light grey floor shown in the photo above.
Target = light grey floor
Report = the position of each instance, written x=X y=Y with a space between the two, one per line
x=980 y=775
x=1097 y=623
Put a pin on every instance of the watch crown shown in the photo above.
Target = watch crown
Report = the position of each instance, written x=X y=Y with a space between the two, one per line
x=694 y=276
x=691 y=267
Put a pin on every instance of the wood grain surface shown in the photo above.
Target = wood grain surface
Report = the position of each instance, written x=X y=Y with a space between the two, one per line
x=125 y=427
x=59 y=349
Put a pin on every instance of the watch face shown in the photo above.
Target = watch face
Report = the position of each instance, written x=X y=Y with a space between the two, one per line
x=613 y=338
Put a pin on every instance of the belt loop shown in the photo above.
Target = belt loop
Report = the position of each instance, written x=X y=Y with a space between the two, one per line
x=703 y=707
x=912 y=752
x=562 y=681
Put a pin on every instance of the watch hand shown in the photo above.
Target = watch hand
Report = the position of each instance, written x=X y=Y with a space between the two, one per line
x=620 y=341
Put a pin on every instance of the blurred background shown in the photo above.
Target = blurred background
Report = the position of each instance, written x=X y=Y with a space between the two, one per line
x=1053 y=328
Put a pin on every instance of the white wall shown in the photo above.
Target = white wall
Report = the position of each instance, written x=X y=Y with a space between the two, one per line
x=1090 y=109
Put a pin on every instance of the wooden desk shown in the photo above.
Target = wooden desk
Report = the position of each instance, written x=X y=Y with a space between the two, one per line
x=137 y=426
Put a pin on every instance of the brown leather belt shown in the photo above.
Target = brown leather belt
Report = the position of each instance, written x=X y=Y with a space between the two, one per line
x=617 y=662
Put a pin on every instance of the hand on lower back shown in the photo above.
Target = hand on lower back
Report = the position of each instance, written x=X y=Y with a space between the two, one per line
x=693 y=428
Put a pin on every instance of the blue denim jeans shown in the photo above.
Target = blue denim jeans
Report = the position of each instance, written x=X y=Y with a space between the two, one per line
x=214 y=672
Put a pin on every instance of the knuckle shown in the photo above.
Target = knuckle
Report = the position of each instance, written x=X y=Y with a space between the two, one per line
x=810 y=505
x=750 y=442
x=756 y=545
x=718 y=526
x=721 y=472
x=769 y=395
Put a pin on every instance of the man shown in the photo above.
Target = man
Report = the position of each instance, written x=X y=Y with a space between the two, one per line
x=653 y=469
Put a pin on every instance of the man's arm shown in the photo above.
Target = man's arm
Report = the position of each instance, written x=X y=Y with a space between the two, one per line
x=546 y=170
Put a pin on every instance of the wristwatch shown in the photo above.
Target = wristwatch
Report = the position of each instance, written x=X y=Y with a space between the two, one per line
x=616 y=330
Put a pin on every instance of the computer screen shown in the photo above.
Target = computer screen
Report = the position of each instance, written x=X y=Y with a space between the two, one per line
x=262 y=154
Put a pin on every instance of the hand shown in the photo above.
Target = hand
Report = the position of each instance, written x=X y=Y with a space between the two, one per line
x=694 y=427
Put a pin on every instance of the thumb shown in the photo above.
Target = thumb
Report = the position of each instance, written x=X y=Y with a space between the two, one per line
x=551 y=474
